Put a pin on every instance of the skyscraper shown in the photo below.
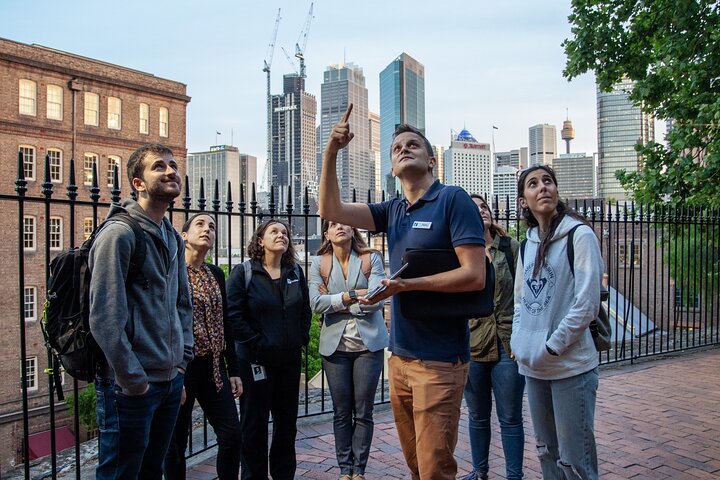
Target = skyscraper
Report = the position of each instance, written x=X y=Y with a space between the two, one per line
x=620 y=126
x=402 y=100
x=293 y=140
x=505 y=189
x=439 y=170
x=543 y=144
x=468 y=164
x=514 y=158
x=223 y=163
x=342 y=85
x=374 y=139
x=576 y=175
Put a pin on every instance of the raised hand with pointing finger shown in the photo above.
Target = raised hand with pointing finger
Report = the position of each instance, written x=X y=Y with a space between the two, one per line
x=341 y=135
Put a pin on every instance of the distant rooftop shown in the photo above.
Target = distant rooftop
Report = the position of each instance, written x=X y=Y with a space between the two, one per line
x=465 y=136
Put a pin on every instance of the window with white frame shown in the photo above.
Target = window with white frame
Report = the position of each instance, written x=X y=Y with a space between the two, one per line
x=144 y=118
x=29 y=232
x=28 y=153
x=30 y=304
x=626 y=257
x=114 y=113
x=88 y=227
x=28 y=97
x=56 y=233
x=31 y=373
x=89 y=161
x=92 y=109
x=164 y=128
x=55 y=156
x=112 y=162
x=54 y=102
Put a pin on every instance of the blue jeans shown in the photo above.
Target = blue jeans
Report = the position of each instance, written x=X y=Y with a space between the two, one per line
x=135 y=431
x=502 y=379
x=563 y=414
x=353 y=378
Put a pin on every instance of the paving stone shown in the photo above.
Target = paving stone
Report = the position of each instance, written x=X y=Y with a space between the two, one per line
x=655 y=420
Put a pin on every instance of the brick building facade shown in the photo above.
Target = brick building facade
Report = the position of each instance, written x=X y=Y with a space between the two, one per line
x=63 y=106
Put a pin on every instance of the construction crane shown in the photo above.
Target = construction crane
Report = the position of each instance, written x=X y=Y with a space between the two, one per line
x=290 y=60
x=267 y=63
x=302 y=40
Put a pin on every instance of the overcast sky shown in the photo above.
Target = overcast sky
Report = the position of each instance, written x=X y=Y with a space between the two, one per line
x=486 y=62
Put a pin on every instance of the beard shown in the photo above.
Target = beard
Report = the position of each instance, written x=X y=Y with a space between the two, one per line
x=162 y=191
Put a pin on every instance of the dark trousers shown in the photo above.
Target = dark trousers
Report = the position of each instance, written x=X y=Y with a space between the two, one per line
x=221 y=412
x=277 y=394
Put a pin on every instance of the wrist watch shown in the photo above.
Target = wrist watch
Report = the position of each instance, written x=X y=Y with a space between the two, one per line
x=353 y=296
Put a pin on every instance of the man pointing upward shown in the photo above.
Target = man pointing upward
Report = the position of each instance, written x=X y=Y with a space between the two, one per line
x=429 y=363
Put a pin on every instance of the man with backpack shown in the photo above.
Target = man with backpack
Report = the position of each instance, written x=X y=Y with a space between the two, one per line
x=429 y=363
x=141 y=319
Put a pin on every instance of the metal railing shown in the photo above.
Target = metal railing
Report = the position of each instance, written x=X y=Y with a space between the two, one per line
x=662 y=265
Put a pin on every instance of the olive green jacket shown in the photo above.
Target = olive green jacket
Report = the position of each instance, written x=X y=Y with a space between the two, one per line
x=485 y=331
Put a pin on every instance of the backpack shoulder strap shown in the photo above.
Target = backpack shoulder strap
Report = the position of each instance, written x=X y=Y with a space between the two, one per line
x=247 y=268
x=137 y=260
x=366 y=264
x=571 y=248
x=522 y=251
x=326 y=264
x=506 y=248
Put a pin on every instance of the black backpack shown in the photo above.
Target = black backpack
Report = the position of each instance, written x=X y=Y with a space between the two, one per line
x=66 y=312
x=600 y=327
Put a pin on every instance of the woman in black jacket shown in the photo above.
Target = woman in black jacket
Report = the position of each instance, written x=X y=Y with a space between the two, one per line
x=269 y=307
x=213 y=374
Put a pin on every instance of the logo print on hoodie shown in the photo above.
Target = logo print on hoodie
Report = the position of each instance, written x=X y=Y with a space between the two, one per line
x=536 y=285
x=538 y=291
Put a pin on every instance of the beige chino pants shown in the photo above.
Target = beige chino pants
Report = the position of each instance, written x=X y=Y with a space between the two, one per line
x=425 y=397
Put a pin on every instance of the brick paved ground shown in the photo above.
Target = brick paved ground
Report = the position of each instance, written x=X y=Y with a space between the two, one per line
x=659 y=419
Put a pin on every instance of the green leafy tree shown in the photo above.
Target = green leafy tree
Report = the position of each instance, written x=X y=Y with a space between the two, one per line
x=313 y=350
x=86 y=407
x=692 y=257
x=671 y=50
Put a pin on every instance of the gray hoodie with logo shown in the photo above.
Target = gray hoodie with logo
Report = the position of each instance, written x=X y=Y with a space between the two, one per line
x=555 y=308
x=144 y=329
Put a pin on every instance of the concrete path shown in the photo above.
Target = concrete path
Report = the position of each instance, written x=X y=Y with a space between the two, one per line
x=659 y=419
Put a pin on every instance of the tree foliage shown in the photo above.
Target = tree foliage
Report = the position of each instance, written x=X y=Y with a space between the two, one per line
x=86 y=407
x=671 y=50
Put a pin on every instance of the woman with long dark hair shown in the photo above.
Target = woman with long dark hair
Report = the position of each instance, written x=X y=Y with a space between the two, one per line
x=551 y=338
x=212 y=377
x=269 y=306
x=352 y=339
x=492 y=370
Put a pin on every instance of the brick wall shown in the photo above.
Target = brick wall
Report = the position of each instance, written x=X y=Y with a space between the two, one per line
x=49 y=67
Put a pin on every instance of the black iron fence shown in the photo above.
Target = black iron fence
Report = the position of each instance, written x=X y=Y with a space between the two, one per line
x=662 y=266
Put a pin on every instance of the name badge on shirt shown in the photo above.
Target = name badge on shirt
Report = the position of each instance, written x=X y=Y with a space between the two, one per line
x=422 y=225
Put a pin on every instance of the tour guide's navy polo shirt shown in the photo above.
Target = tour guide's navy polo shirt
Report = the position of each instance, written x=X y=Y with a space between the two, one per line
x=445 y=217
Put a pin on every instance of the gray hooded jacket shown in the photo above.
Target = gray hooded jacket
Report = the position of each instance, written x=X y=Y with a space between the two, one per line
x=145 y=330
x=555 y=308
